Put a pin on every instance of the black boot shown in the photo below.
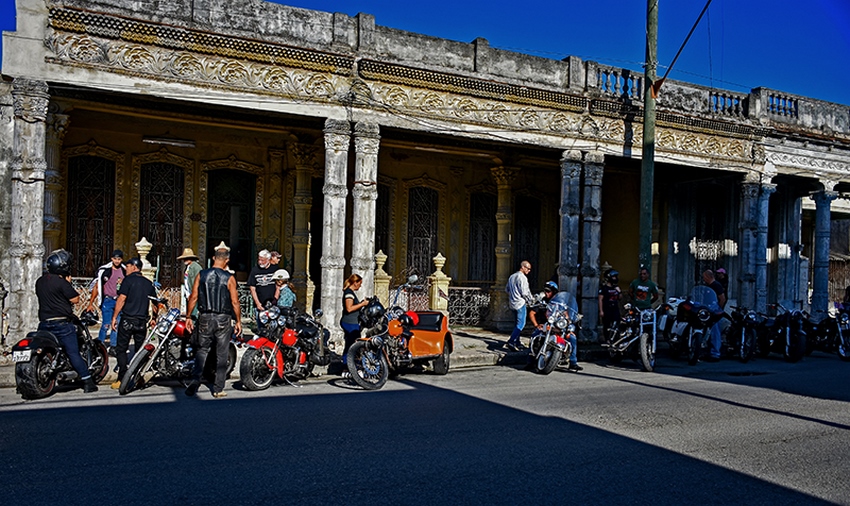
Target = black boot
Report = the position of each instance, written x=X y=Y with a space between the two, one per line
x=89 y=385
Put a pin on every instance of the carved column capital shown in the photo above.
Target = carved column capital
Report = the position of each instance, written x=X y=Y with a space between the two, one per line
x=504 y=176
x=304 y=154
x=30 y=100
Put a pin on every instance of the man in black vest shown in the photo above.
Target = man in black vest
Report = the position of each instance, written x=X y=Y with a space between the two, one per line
x=132 y=304
x=214 y=292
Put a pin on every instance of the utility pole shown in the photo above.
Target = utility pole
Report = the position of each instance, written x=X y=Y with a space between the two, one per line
x=647 y=172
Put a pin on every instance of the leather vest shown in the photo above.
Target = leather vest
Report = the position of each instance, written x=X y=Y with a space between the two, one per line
x=213 y=295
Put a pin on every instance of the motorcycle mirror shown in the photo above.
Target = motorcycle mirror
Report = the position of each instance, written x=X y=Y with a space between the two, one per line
x=317 y=313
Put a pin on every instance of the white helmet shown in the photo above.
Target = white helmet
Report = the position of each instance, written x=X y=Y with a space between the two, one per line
x=280 y=274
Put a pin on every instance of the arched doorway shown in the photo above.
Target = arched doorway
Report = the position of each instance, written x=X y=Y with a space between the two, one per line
x=230 y=216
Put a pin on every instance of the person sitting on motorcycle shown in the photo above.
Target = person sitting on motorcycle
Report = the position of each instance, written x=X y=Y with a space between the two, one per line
x=609 y=302
x=538 y=321
x=56 y=299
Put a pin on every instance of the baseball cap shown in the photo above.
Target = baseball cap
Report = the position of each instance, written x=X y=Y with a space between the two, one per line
x=118 y=254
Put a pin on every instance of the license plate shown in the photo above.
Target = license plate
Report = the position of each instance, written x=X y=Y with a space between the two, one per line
x=21 y=356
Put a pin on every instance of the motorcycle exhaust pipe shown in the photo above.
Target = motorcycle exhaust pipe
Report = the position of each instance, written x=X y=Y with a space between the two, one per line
x=67 y=376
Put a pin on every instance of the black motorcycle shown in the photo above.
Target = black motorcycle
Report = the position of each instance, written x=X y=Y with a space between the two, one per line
x=783 y=333
x=41 y=363
x=700 y=311
x=828 y=333
x=636 y=326
x=742 y=334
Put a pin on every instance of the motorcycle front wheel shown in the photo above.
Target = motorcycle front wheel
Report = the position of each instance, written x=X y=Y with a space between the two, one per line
x=748 y=345
x=257 y=368
x=544 y=358
x=694 y=345
x=35 y=379
x=647 y=352
x=796 y=347
x=368 y=367
x=134 y=377
x=843 y=347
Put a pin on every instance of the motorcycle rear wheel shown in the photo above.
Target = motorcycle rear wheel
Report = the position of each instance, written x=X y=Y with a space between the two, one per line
x=442 y=363
x=368 y=367
x=134 y=377
x=34 y=379
x=647 y=355
x=257 y=368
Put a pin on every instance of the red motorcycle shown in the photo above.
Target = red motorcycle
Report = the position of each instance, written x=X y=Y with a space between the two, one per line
x=290 y=344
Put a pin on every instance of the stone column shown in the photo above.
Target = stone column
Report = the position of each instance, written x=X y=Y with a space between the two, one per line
x=500 y=315
x=365 y=193
x=26 y=251
x=335 y=190
x=569 y=211
x=57 y=125
x=762 y=206
x=7 y=134
x=820 y=272
x=789 y=281
x=305 y=160
x=592 y=223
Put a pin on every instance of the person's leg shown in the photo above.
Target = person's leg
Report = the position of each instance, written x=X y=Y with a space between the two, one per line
x=223 y=331
x=519 y=325
x=574 y=348
x=122 y=344
x=66 y=333
x=715 y=341
x=107 y=308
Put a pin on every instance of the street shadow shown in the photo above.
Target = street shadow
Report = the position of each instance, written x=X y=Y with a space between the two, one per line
x=420 y=445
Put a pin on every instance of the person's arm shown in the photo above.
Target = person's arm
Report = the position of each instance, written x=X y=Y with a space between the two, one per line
x=193 y=301
x=93 y=296
x=119 y=305
x=257 y=302
x=234 y=301
x=532 y=315
x=350 y=306
x=601 y=313
x=721 y=299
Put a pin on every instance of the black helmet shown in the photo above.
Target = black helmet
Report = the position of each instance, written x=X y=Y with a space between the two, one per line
x=59 y=262
x=612 y=274
x=551 y=286
x=136 y=262
x=371 y=314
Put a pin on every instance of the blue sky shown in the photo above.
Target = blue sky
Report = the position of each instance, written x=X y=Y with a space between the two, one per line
x=792 y=46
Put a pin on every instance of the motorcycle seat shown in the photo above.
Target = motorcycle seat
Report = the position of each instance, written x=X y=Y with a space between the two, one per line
x=42 y=334
x=429 y=320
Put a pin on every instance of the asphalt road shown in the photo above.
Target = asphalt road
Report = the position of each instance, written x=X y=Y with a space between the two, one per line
x=762 y=433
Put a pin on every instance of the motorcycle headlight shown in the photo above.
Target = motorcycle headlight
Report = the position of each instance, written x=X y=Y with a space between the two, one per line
x=264 y=317
x=551 y=319
x=751 y=317
x=561 y=323
x=647 y=316
x=704 y=315
x=162 y=326
x=844 y=318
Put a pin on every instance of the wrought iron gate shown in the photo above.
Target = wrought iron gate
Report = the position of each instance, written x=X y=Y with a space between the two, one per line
x=161 y=218
x=91 y=201
x=422 y=229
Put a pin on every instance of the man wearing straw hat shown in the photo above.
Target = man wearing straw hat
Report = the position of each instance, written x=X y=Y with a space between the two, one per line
x=190 y=259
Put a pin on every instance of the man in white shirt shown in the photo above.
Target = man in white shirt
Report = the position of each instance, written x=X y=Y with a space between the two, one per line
x=518 y=296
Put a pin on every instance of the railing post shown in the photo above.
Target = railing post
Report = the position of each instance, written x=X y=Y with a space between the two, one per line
x=382 y=279
x=439 y=293
x=144 y=247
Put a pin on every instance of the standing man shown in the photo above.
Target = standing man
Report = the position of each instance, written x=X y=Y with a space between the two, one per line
x=260 y=281
x=643 y=291
x=518 y=297
x=132 y=305
x=214 y=293
x=190 y=260
x=104 y=292
x=56 y=299
x=711 y=282
x=609 y=303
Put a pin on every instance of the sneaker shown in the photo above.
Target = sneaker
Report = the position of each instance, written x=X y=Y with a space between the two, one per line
x=115 y=385
x=219 y=395
x=511 y=347
x=110 y=350
x=575 y=367
x=192 y=389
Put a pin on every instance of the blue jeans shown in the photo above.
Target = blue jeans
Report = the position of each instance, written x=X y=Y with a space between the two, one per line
x=714 y=340
x=520 y=324
x=66 y=333
x=352 y=333
x=107 y=308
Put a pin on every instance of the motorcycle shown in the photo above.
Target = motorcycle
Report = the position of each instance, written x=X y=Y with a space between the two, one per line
x=828 y=333
x=551 y=346
x=695 y=316
x=395 y=338
x=290 y=345
x=741 y=336
x=168 y=352
x=41 y=363
x=636 y=326
x=783 y=333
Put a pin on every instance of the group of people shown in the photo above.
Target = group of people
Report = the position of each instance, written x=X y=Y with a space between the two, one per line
x=643 y=293
x=126 y=300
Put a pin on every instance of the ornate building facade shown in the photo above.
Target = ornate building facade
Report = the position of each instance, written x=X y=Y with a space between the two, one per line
x=330 y=138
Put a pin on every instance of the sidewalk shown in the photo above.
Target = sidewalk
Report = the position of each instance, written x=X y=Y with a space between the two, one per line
x=474 y=347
